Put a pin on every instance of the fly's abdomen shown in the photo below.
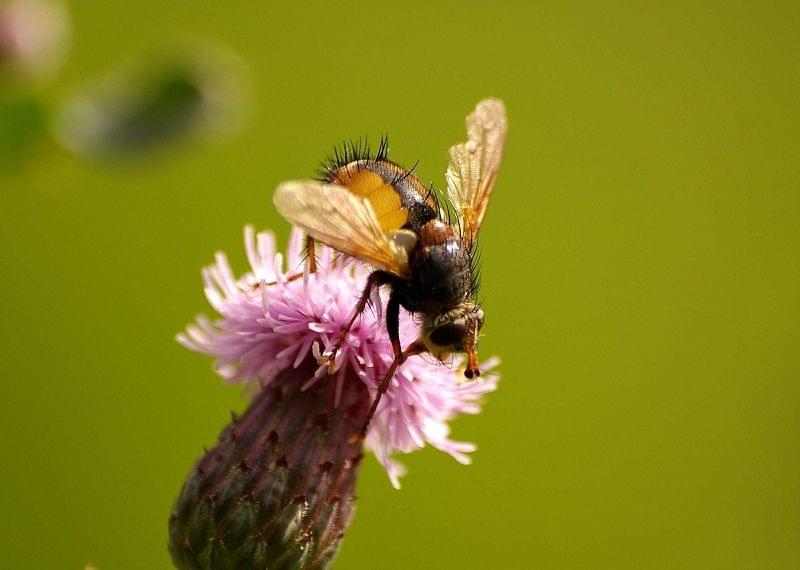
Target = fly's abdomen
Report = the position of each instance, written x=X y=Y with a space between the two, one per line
x=397 y=196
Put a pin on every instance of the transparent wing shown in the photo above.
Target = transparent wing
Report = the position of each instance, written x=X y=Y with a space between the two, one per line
x=474 y=165
x=333 y=215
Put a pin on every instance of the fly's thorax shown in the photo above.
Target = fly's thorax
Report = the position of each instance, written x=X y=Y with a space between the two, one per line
x=440 y=279
x=436 y=232
x=453 y=331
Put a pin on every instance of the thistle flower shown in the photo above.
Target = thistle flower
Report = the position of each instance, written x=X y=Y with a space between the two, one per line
x=278 y=487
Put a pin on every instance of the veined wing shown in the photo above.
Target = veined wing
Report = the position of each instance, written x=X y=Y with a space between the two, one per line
x=474 y=165
x=335 y=216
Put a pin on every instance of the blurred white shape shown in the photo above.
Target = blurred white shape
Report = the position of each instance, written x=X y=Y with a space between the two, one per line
x=34 y=39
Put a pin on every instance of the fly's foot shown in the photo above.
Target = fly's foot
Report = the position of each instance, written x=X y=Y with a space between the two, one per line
x=358 y=437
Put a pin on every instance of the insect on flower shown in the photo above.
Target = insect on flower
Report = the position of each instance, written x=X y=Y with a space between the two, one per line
x=376 y=211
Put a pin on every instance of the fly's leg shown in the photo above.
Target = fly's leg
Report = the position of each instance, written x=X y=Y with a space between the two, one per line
x=312 y=265
x=257 y=285
x=400 y=356
x=375 y=279
x=311 y=255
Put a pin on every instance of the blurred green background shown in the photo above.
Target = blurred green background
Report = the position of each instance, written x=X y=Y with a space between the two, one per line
x=640 y=279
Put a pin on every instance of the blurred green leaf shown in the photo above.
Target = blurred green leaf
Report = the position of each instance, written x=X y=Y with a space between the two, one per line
x=165 y=101
x=22 y=124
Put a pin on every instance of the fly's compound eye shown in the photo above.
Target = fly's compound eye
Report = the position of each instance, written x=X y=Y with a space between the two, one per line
x=450 y=334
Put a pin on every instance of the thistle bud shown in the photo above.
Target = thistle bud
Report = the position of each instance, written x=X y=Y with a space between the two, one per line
x=277 y=489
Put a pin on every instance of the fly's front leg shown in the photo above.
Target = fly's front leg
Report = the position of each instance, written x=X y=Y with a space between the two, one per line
x=375 y=279
x=400 y=356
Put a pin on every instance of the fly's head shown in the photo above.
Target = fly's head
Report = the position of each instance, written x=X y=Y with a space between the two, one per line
x=455 y=331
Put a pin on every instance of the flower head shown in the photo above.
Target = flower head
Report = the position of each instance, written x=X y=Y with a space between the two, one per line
x=271 y=323
x=277 y=490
